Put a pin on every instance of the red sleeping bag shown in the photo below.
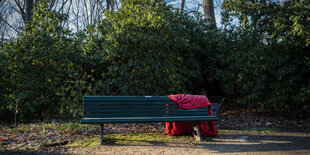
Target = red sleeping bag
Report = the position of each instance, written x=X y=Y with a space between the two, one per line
x=185 y=101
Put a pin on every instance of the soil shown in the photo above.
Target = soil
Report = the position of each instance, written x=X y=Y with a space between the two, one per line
x=242 y=120
x=230 y=142
x=273 y=135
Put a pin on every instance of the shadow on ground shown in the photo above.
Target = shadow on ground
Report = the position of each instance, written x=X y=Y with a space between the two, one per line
x=257 y=143
x=234 y=143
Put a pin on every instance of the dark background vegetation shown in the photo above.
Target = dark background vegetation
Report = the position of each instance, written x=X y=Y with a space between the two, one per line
x=259 y=59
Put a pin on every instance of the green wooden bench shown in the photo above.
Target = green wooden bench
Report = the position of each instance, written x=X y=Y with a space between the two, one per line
x=134 y=109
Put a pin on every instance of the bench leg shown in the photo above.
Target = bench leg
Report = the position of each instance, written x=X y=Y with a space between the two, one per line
x=196 y=129
x=101 y=134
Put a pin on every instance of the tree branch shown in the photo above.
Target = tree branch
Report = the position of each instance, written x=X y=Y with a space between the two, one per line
x=9 y=25
x=21 y=9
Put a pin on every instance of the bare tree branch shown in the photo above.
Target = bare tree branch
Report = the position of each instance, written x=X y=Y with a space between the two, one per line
x=51 y=5
x=87 y=16
x=62 y=6
x=21 y=9
x=9 y=25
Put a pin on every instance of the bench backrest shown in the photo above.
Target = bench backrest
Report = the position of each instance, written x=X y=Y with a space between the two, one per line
x=135 y=106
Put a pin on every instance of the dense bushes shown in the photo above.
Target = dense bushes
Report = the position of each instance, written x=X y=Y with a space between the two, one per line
x=268 y=67
x=39 y=64
x=4 y=85
x=148 y=48
x=145 y=48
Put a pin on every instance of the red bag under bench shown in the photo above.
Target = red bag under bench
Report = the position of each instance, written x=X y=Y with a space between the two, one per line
x=186 y=101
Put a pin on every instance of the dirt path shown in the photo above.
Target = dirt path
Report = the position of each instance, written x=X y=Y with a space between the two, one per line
x=226 y=143
x=150 y=139
x=229 y=142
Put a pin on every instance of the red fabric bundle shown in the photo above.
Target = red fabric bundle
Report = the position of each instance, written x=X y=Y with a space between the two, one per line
x=185 y=101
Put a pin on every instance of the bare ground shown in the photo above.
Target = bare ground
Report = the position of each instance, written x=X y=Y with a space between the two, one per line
x=228 y=142
x=239 y=134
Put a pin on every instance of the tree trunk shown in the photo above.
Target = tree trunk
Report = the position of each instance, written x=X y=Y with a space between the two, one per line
x=208 y=8
x=29 y=8
x=182 y=6
x=112 y=5
x=108 y=5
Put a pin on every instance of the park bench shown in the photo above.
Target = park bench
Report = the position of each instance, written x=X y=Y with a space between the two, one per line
x=135 y=109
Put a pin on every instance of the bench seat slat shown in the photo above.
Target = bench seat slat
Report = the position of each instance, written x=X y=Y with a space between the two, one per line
x=100 y=99
x=145 y=106
x=130 y=106
x=125 y=110
x=130 y=97
x=143 y=114
x=90 y=103
x=87 y=120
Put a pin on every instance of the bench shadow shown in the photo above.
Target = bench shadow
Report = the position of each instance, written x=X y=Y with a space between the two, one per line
x=232 y=143
x=17 y=152
x=257 y=143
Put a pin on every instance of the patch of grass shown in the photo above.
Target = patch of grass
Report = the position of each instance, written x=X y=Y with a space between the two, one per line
x=140 y=138
x=126 y=139
x=31 y=136
x=43 y=128
x=86 y=141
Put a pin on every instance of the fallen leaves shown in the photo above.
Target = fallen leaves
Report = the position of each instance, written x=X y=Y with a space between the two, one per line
x=1 y=128
x=1 y=139
x=21 y=140
x=56 y=144
x=230 y=120
x=191 y=144
x=32 y=136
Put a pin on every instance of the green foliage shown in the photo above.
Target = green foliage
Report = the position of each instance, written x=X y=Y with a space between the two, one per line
x=73 y=90
x=37 y=61
x=268 y=67
x=150 y=49
x=261 y=58
x=4 y=84
x=41 y=62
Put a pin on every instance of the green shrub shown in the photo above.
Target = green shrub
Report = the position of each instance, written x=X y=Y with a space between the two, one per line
x=47 y=69
x=150 y=49
x=266 y=64
x=4 y=86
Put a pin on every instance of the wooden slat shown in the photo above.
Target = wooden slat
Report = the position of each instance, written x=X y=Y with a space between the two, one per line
x=125 y=110
x=129 y=97
x=147 y=119
x=88 y=103
x=143 y=114
x=133 y=107
x=124 y=99
x=129 y=106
